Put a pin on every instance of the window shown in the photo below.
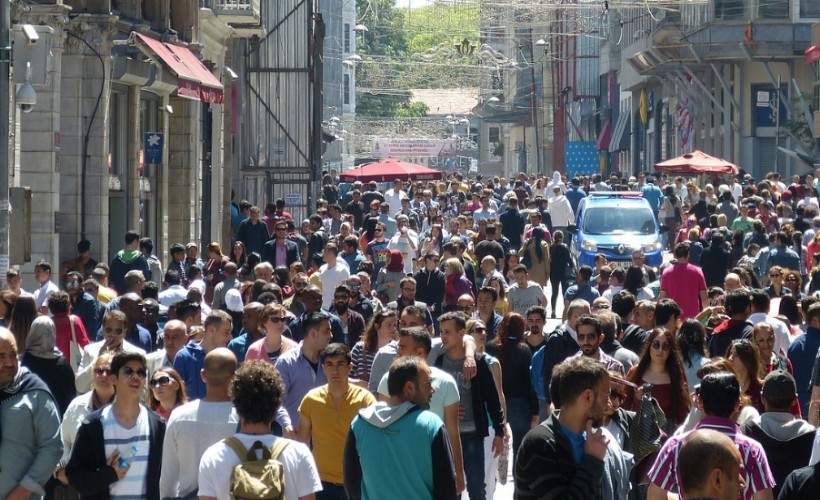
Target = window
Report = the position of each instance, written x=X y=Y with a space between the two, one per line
x=809 y=9
x=494 y=135
x=347 y=89
x=730 y=9
x=347 y=38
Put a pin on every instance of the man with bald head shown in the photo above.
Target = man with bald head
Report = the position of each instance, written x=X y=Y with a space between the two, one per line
x=732 y=282
x=195 y=426
x=710 y=466
x=30 y=427
x=174 y=338
x=251 y=331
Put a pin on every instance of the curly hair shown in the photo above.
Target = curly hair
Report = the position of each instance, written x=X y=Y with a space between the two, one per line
x=674 y=367
x=513 y=325
x=256 y=391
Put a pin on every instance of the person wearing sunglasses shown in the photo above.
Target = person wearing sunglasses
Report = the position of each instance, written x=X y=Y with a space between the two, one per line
x=115 y=325
x=776 y=287
x=662 y=366
x=166 y=392
x=101 y=393
x=617 y=420
x=273 y=322
x=128 y=433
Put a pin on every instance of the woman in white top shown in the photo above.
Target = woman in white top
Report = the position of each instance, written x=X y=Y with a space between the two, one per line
x=101 y=393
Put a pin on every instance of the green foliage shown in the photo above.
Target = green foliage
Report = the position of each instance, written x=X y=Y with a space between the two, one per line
x=797 y=128
x=393 y=36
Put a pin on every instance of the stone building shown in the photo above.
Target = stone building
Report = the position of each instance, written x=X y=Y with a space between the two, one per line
x=121 y=69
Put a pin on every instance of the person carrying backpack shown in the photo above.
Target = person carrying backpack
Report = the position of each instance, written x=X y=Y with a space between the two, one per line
x=255 y=464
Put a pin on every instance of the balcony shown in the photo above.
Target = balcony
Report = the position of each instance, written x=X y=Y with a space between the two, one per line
x=242 y=15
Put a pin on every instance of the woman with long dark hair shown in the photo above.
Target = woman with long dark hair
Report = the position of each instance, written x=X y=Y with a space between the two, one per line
x=510 y=347
x=745 y=359
x=24 y=313
x=238 y=254
x=692 y=340
x=536 y=253
x=560 y=267
x=7 y=301
x=634 y=284
x=379 y=332
x=661 y=365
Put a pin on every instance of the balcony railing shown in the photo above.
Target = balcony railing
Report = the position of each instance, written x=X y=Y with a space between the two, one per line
x=243 y=15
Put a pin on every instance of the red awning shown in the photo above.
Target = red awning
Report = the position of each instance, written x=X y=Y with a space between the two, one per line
x=813 y=54
x=390 y=169
x=195 y=81
x=605 y=136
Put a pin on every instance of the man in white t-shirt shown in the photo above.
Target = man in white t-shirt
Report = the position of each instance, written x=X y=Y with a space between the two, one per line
x=524 y=293
x=195 y=426
x=256 y=393
x=394 y=196
x=334 y=272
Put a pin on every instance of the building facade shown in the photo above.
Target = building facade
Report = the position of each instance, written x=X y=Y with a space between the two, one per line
x=125 y=77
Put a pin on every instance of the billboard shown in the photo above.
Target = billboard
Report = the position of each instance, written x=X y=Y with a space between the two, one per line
x=401 y=148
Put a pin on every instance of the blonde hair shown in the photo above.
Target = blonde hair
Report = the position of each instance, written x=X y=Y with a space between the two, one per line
x=454 y=266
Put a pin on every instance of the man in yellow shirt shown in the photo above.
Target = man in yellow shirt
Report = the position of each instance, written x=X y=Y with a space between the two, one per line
x=325 y=416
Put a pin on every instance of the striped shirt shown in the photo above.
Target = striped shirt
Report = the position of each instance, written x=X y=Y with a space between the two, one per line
x=361 y=361
x=132 y=443
x=665 y=473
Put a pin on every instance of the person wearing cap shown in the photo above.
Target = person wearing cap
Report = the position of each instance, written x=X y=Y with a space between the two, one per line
x=192 y=257
x=786 y=439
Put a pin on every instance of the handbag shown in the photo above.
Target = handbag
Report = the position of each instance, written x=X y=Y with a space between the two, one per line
x=75 y=354
x=645 y=429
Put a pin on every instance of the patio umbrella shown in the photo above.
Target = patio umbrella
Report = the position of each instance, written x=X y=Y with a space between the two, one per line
x=696 y=163
x=390 y=169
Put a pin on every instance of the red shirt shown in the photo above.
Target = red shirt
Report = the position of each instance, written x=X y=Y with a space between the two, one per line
x=63 y=327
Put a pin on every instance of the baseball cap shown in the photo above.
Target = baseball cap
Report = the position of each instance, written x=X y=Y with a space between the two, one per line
x=233 y=300
x=778 y=385
x=191 y=245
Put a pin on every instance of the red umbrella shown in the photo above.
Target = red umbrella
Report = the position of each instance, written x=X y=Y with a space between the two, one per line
x=390 y=169
x=696 y=163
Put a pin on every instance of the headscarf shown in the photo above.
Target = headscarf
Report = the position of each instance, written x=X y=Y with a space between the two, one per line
x=41 y=339
x=396 y=262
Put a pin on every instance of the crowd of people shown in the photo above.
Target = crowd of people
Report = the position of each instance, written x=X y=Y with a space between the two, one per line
x=414 y=341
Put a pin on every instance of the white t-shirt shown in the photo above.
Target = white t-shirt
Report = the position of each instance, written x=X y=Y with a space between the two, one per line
x=446 y=390
x=192 y=429
x=132 y=443
x=216 y=467
x=331 y=278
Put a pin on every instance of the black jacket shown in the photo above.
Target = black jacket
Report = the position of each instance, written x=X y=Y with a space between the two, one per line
x=430 y=288
x=485 y=397
x=513 y=226
x=545 y=467
x=559 y=346
x=783 y=456
x=291 y=252
x=88 y=471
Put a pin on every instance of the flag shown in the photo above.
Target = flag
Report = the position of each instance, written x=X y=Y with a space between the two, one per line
x=643 y=108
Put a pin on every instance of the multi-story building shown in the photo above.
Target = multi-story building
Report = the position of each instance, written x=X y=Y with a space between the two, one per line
x=119 y=70
x=716 y=75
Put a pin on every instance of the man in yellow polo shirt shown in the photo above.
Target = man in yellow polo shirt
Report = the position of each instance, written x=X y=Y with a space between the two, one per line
x=325 y=416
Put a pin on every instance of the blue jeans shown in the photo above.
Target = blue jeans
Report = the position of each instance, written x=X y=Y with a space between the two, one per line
x=331 y=491
x=519 y=417
x=472 y=449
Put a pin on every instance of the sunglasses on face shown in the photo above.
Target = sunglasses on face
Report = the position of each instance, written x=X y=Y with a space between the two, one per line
x=130 y=372
x=666 y=346
x=480 y=329
x=777 y=275
x=102 y=371
x=341 y=297
x=159 y=382
x=616 y=396
x=72 y=284
x=465 y=308
x=117 y=331
x=276 y=319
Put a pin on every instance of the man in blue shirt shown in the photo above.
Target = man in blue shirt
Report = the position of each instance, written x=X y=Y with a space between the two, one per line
x=652 y=194
x=190 y=360
x=575 y=194
x=802 y=354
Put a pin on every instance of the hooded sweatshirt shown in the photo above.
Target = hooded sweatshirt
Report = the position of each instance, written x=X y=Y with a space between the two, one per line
x=398 y=451
x=787 y=441
x=127 y=260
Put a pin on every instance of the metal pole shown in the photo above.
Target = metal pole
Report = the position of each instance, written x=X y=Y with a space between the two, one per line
x=5 y=119
x=318 y=36
x=776 y=128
